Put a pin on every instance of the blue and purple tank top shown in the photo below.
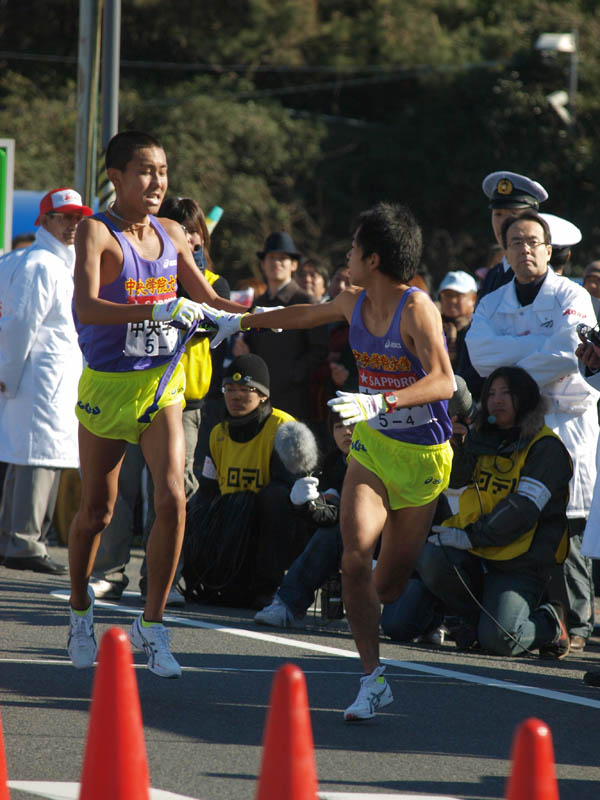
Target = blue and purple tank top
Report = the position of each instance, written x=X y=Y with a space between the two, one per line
x=385 y=365
x=136 y=345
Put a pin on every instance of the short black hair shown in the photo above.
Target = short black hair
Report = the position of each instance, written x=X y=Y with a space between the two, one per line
x=530 y=216
x=123 y=145
x=391 y=231
x=320 y=269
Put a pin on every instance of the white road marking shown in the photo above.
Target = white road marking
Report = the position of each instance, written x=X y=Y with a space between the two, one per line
x=414 y=666
x=219 y=669
x=56 y=790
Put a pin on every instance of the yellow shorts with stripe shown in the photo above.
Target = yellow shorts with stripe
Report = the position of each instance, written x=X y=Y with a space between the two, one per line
x=413 y=474
x=109 y=403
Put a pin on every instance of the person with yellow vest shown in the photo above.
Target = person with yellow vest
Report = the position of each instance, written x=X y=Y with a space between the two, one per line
x=509 y=535
x=243 y=533
x=198 y=360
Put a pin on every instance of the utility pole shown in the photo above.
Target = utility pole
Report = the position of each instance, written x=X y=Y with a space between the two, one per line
x=111 y=56
x=90 y=12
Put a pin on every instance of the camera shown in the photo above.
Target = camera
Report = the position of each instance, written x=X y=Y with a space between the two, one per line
x=590 y=334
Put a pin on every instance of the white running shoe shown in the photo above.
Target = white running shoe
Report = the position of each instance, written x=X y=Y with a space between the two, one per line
x=154 y=641
x=374 y=693
x=276 y=615
x=81 y=644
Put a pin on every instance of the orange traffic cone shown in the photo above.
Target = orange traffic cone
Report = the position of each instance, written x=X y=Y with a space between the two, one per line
x=533 y=776
x=4 y=794
x=288 y=768
x=115 y=763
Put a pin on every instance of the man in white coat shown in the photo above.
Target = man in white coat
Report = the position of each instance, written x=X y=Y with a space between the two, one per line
x=40 y=366
x=531 y=322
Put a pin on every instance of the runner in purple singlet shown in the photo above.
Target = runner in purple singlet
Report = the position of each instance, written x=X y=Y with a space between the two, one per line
x=128 y=264
x=400 y=456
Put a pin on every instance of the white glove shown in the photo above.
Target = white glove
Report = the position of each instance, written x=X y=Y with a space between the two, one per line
x=450 y=537
x=262 y=309
x=178 y=310
x=227 y=323
x=357 y=407
x=304 y=490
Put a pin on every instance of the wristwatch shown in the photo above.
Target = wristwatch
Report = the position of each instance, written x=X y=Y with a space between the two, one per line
x=391 y=401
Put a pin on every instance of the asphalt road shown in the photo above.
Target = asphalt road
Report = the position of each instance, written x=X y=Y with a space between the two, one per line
x=448 y=733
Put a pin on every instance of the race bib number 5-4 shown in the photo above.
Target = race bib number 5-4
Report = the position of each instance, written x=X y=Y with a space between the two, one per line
x=150 y=338
x=402 y=418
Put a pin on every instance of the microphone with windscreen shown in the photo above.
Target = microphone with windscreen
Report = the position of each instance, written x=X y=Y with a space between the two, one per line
x=297 y=448
x=461 y=403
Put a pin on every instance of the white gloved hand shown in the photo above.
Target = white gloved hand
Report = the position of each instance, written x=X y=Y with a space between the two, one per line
x=227 y=323
x=357 y=407
x=262 y=309
x=179 y=310
x=304 y=490
x=450 y=537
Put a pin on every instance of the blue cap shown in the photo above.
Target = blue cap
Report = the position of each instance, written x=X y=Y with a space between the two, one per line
x=511 y=190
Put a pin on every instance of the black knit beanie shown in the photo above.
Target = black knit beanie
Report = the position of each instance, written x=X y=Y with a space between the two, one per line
x=249 y=370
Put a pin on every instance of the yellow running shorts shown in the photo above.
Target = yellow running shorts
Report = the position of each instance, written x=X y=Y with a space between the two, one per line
x=109 y=403
x=413 y=474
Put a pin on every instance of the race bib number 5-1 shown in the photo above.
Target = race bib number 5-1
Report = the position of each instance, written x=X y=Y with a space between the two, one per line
x=150 y=338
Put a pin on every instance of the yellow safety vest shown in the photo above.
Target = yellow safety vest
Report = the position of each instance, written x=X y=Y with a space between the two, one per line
x=196 y=360
x=496 y=477
x=245 y=466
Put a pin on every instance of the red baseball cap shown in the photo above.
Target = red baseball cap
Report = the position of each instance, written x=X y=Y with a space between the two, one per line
x=64 y=201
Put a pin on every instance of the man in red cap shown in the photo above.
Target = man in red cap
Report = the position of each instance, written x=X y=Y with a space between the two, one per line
x=40 y=365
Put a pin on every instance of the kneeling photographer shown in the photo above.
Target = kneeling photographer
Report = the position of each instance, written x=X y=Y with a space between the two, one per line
x=490 y=563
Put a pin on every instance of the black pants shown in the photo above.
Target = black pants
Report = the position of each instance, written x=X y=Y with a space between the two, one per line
x=238 y=548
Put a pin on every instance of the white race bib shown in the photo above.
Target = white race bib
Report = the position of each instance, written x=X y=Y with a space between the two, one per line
x=401 y=418
x=150 y=338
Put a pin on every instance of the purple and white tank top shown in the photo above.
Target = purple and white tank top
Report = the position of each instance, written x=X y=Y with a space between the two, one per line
x=136 y=345
x=385 y=365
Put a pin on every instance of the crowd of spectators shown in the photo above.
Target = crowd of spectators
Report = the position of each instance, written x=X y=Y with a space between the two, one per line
x=524 y=457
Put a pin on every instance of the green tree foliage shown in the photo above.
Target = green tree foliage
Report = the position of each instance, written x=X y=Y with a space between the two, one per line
x=297 y=114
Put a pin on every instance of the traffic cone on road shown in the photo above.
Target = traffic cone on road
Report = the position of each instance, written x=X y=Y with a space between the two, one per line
x=533 y=775
x=4 y=794
x=115 y=763
x=288 y=766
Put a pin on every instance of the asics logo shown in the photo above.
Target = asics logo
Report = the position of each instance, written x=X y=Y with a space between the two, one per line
x=149 y=651
x=87 y=408
x=375 y=700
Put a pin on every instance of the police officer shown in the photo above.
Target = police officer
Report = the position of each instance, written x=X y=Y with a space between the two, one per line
x=509 y=193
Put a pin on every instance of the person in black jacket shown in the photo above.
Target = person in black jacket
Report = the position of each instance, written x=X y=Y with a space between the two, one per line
x=322 y=556
x=292 y=356
x=241 y=533
x=510 y=533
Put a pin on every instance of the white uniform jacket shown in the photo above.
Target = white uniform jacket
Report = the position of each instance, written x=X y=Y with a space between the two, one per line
x=40 y=360
x=542 y=339
x=590 y=546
